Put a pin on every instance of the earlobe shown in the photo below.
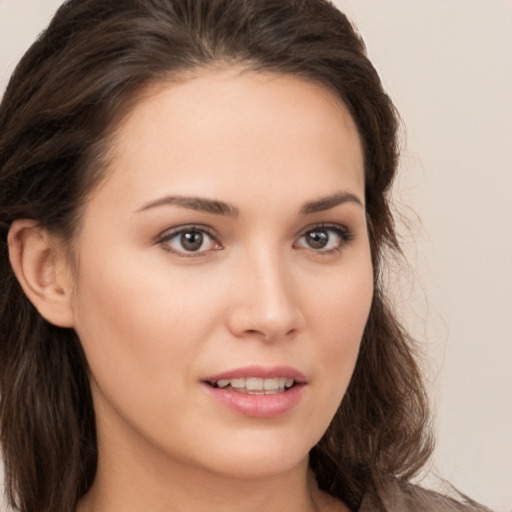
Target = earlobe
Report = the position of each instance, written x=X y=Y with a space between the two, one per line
x=38 y=266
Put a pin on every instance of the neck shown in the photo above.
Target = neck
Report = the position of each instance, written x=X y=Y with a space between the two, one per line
x=195 y=490
x=144 y=479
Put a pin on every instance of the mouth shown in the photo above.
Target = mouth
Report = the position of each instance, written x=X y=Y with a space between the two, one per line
x=258 y=391
x=255 y=385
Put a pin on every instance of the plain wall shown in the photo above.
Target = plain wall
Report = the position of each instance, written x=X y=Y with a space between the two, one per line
x=447 y=65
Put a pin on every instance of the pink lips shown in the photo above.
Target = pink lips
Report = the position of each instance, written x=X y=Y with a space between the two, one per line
x=258 y=405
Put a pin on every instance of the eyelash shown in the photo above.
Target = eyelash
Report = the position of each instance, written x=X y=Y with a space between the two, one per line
x=167 y=236
x=345 y=235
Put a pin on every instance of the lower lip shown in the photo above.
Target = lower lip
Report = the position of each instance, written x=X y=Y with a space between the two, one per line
x=258 y=406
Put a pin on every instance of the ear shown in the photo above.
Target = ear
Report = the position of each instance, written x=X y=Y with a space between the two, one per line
x=40 y=265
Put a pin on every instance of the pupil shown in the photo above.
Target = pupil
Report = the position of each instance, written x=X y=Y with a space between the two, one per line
x=192 y=240
x=317 y=239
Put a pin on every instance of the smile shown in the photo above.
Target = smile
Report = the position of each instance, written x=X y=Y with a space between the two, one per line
x=258 y=391
x=255 y=385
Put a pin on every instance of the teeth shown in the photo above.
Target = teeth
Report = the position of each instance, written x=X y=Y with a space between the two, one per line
x=271 y=384
x=238 y=383
x=256 y=385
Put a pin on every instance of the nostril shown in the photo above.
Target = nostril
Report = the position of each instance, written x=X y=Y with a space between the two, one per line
x=255 y=333
x=263 y=322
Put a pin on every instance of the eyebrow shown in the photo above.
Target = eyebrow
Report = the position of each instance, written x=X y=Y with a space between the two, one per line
x=326 y=203
x=195 y=203
x=221 y=208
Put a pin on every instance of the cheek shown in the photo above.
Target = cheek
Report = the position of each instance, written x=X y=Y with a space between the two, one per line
x=141 y=339
x=342 y=302
x=134 y=326
x=338 y=317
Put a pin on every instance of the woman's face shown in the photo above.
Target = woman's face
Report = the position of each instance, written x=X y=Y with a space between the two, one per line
x=224 y=274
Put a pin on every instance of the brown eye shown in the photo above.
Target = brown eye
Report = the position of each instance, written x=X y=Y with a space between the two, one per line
x=186 y=241
x=325 y=239
x=317 y=239
x=192 y=240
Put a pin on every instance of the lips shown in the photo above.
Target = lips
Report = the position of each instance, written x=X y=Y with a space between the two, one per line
x=258 y=391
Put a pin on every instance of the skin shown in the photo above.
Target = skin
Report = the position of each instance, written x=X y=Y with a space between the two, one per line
x=155 y=319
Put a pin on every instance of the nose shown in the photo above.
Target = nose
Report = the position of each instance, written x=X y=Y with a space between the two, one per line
x=266 y=305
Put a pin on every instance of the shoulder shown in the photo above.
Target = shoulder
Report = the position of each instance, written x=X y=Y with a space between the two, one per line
x=399 y=496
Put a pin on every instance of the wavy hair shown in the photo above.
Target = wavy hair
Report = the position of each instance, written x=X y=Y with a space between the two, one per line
x=65 y=98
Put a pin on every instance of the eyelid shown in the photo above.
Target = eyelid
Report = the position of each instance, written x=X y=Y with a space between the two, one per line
x=163 y=238
x=170 y=233
x=334 y=226
x=345 y=233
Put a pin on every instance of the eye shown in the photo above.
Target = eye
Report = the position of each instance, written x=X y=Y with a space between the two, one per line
x=325 y=238
x=186 y=241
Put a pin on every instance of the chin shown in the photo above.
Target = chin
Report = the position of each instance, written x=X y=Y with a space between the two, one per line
x=258 y=467
x=259 y=455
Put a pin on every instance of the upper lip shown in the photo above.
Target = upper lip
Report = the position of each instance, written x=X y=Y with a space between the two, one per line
x=262 y=372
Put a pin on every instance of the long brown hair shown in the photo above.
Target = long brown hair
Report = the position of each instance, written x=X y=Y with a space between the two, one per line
x=62 y=103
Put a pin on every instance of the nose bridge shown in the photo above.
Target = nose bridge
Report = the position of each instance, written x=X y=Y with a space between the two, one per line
x=268 y=304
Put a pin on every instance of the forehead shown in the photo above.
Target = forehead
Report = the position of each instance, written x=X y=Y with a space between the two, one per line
x=227 y=131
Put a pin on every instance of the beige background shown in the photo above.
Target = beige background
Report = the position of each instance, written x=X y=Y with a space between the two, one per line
x=447 y=65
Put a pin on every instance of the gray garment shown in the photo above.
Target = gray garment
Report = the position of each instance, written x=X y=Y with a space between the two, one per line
x=397 y=496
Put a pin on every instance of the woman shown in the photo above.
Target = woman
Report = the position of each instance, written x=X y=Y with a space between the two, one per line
x=194 y=210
